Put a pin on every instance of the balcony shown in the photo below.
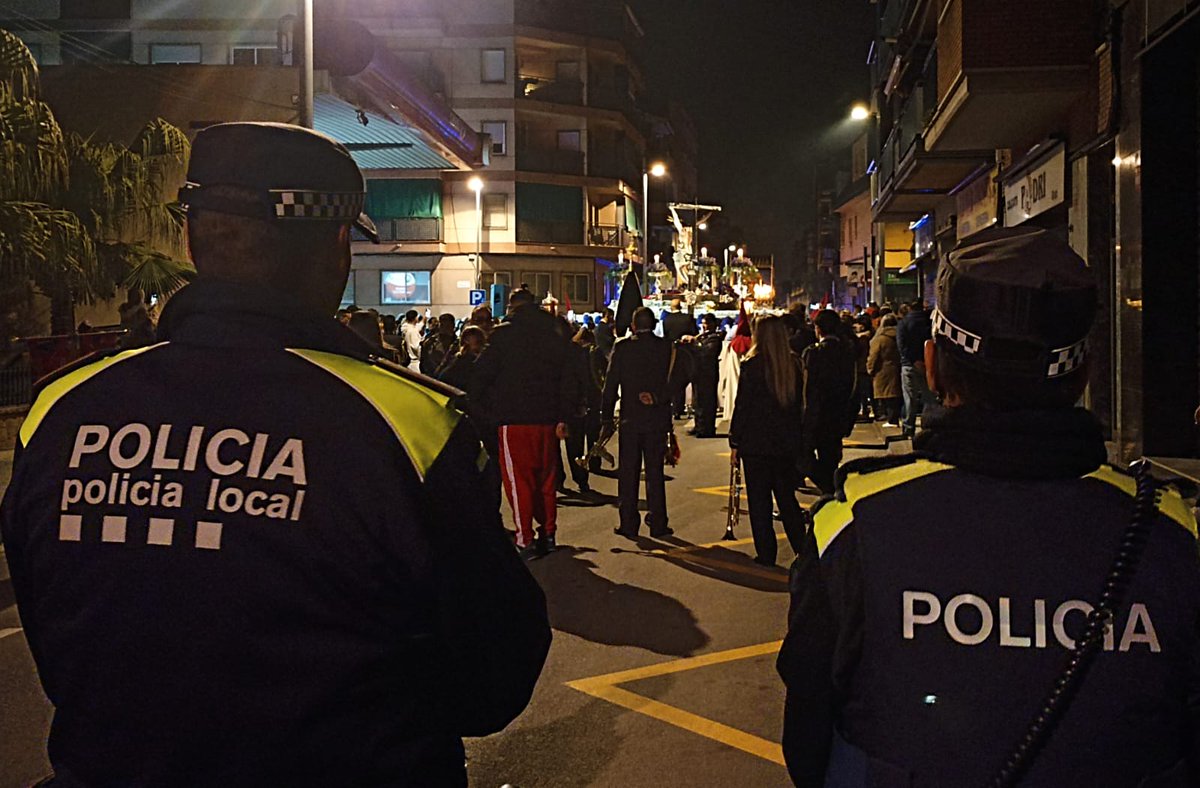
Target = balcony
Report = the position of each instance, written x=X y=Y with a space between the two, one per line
x=1008 y=72
x=622 y=165
x=610 y=235
x=530 y=231
x=603 y=19
x=550 y=160
x=910 y=179
x=550 y=90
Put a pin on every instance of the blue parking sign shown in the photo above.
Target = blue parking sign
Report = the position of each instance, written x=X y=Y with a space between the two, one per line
x=478 y=297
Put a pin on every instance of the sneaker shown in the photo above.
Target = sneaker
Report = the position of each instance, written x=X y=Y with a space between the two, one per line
x=890 y=424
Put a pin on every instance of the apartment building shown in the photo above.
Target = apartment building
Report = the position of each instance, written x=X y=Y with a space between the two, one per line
x=1077 y=116
x=554 y=85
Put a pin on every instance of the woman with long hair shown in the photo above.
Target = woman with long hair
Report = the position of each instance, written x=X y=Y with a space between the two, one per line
x=766 y=435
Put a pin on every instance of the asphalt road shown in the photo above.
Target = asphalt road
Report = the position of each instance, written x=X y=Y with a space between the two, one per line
x=662 y=668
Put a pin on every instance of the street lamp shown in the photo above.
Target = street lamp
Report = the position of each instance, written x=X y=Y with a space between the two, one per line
x=475 y=184
x=859 y=112
x=658 y=170
x=702 y=226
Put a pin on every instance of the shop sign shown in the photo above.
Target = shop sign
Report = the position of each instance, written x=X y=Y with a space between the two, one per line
x=978 y=204
x=923 y=235
x=1040 y=188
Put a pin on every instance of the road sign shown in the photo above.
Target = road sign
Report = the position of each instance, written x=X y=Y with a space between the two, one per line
x=478 y=297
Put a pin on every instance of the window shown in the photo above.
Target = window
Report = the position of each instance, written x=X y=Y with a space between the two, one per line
x=495 y=211
x=577 y=288
x=254 y=56
x=493 y=66
x=404 y=287
x=570 y=140
x=539 y=283
x=567 y=71
x=174 y=53
x=36 y=51
x=498 y=129
x=501 y=278
x=348 y=293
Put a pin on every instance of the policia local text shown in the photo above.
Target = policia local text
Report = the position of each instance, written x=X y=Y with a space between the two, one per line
x=224 y=453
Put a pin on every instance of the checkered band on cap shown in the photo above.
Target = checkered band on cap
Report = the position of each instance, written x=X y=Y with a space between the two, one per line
x=317 y=205
x=1066 y=360
x=959 y=336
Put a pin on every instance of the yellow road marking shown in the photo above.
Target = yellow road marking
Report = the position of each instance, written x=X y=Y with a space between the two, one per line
x=605 y=687
x=721 y=491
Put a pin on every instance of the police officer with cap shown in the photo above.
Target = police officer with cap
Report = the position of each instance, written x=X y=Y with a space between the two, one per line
x=940 y=595
x=253 y=554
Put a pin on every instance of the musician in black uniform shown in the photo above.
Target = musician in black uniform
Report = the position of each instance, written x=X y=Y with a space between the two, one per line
x=641 y=372
x=707 y=353
x=939 y=594
x=252 y=554
x=678 y=326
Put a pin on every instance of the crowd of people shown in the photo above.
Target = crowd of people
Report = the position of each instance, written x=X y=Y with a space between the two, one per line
x=539 y=384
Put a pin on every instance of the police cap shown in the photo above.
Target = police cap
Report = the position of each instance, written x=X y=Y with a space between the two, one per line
x=1015 y=301
x=280 y=173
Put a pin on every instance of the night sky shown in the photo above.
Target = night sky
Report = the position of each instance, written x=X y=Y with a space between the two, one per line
x=769 y=84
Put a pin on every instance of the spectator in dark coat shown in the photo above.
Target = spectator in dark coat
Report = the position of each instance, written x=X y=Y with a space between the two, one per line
x=606 y=334
x=829 y=384
x=911 y=335
x=439 y=346
x=883 y=365
x=766 y=435
x=522 y=385
x=456 y=371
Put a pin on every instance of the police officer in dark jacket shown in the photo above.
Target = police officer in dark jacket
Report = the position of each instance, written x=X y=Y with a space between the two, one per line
x=939 y=594
x=829 y=386
x=640 y=370
x=251 y=554
x=707 y=375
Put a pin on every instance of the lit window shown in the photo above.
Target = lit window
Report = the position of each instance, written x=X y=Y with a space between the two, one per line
x=493 y=66
x=404 y=287
x=175 y=53
x=498 y=130
x=495 y=211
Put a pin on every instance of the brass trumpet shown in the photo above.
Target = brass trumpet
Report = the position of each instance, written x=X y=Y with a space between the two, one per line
x=735 y=501
x=598 y=452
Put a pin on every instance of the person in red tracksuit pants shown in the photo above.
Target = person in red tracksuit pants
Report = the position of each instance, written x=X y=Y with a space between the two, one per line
x=522 y=383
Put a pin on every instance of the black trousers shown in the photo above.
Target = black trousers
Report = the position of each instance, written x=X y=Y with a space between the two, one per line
x=637 y=448
x=828 y=458
x=777 y=477
x=704 y=400
x=584 y=433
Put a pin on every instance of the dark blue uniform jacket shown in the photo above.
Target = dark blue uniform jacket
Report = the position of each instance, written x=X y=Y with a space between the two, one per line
x=938 y=597
x=247 y=555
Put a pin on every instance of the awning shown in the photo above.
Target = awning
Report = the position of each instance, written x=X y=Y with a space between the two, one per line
x=543 y=202
x=378 y=145
x=399 y=198
x=633 y=216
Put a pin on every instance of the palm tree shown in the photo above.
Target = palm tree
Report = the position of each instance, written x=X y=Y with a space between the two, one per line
x=79 y=218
